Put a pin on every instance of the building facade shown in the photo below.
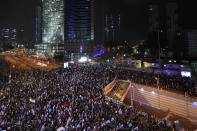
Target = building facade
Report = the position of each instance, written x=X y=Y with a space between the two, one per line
x=172 y=27
x=53 y=21
x=153 y=17
x=191 y=43
x=70 y=23
x=112 y=28
x=51 y=26
x=12 y=37
x=79 y=20
x=79 y=26
x=38 y=25
x=9 y=36
x=163 y=26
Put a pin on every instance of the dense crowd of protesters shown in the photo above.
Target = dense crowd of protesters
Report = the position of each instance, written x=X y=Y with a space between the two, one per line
x=72 y=99
x=167 y=82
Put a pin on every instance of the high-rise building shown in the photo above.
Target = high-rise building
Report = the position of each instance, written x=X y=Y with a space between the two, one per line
x=112 y=27
x=12 y=37
x=70 y=22
x=153 y=17
x=79 y=26
x=9 y=35
x=191 y=42
x=38 y=25
x=156 y=26
x=99 y=23
x=53 y=21
x=171 y=23
x=5 y=33
x=20 y=36
x=79 y=23
x=51 y=26
x=163 y=26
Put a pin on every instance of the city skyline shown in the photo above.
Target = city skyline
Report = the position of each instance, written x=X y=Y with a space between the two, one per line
x=134 y=17
x=98 y=65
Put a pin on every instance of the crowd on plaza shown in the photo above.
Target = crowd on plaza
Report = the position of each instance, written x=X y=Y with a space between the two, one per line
x=70 y=99
x=167 y=82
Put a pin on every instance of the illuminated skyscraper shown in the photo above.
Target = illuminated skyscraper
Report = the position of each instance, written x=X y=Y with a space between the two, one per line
x=79 y=20
x=79 y=25
x=53 y=21
x=38 y=25
x=70 y=22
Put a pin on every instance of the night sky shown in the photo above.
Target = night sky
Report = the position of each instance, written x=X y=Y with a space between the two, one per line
x=134 y=17
x=19 y=13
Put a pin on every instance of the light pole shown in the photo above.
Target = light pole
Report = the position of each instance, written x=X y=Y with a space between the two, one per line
x=158 y=35
x=158 y=83
x=132 y=95
x=159 y=44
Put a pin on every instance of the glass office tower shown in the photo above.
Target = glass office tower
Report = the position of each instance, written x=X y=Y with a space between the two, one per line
x=79 y=20
x=53 y=21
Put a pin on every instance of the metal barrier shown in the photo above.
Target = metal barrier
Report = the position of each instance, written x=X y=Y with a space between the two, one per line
x=164 y=100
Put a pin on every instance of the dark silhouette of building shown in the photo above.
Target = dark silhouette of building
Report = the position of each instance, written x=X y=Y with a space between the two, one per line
x=112 y=28
x=191 y=44
x=163 y=27
x=38 y=25
x=20 y=36
x=172 y=26
x=9 y=36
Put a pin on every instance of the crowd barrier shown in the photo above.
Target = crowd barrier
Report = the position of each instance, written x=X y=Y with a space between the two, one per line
x=110 y=86
x=178 y=104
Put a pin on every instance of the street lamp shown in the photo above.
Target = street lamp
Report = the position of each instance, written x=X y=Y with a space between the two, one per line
x=158 y=35
x=159 y=44
x=158 y=83
x=132 y=95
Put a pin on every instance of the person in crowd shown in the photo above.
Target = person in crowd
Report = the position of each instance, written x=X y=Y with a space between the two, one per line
x=73 y=99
